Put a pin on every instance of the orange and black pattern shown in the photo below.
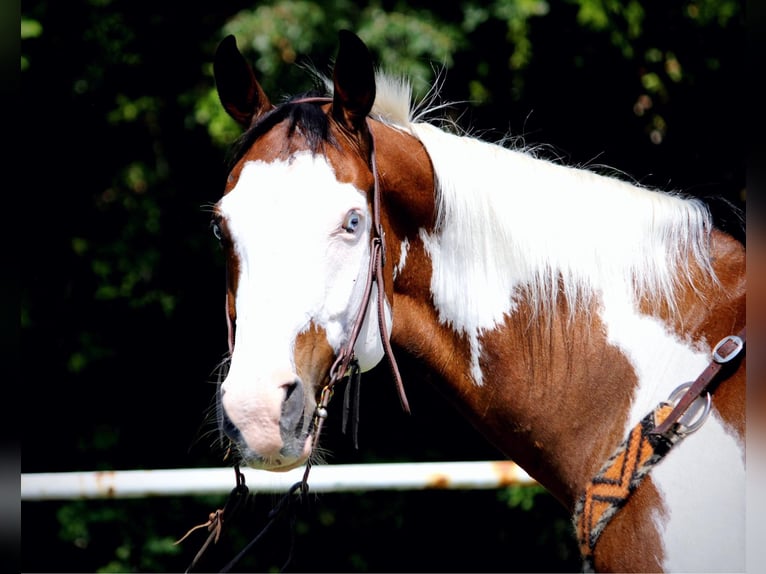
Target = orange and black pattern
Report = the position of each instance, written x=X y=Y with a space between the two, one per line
x=618 y=478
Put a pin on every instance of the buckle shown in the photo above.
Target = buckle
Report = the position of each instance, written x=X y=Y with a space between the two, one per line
x=738 y=344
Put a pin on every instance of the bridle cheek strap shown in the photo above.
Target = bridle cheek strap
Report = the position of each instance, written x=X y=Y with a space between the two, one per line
x=345 y=364
x=375 y=276
x=379 y=253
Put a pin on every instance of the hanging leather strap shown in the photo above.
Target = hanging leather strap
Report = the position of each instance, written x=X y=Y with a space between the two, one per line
x=727 y=349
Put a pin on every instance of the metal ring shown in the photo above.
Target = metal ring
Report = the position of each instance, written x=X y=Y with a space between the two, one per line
x=675 y=396
x=738 y=347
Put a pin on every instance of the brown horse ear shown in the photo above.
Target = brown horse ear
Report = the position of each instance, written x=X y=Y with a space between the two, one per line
x=354 y=82
x=240 y=93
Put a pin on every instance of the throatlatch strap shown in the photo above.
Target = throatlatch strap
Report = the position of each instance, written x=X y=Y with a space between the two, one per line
x=618 y=479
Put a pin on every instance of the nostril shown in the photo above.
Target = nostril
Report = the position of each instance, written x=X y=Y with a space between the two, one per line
x=292 y=408
x=290 y=389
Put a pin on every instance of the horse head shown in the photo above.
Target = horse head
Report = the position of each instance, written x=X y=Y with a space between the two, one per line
x=299 y=225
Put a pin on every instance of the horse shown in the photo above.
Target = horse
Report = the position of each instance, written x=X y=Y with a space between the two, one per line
x=589 y=327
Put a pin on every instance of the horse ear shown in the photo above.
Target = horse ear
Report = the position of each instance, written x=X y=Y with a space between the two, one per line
x=354 y=82
x=240 y=93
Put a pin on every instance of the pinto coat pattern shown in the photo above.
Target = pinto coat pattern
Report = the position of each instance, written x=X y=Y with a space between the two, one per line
x=555 y=306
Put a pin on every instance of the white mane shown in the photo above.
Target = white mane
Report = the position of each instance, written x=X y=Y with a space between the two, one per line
x=509 y=219
x=393 y=100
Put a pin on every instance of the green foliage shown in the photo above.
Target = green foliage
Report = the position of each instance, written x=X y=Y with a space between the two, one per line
x=713 y=12
x=522 y=497
x=412 y=43
x=209 y=112
x=29 y=29
x=516 y=15
x=127 y=528
x=280 y=34
x=657 y=62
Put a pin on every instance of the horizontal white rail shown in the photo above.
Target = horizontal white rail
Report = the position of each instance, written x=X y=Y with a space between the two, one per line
x=322 y=478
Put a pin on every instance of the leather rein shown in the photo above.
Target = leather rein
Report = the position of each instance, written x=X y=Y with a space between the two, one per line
x=345 y=367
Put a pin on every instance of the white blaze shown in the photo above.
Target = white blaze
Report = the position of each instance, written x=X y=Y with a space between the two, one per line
x=297 y=263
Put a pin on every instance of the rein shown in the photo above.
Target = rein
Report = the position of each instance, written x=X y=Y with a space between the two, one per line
x=345 y=367
x=646 y=445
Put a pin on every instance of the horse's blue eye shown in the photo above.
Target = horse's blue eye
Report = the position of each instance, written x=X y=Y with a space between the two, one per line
x=216 y=227
x=352 y=221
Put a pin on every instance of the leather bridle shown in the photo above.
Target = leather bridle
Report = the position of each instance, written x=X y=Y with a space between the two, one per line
x=345 y=367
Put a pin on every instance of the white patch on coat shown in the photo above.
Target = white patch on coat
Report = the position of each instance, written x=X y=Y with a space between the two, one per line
x=297 y=265
x=404 y=249
x=703 y=483
x=507 y=220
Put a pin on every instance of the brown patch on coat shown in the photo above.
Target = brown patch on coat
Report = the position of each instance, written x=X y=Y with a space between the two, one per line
x=631 y=542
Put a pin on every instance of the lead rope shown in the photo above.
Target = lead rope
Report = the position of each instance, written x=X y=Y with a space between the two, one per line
x=274 y=514
x=215 y=519
x=240 y=491
x=337 y=373
x=345 y=366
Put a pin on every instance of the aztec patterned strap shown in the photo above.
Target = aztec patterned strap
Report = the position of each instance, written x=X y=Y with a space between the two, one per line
x=647 y=443
x=619 y=477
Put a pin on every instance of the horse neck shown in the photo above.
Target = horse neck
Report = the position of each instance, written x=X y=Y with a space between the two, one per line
x=554 y=396
x=540 y=382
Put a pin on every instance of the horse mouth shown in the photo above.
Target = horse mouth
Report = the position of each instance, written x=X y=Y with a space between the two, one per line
x=297 y=444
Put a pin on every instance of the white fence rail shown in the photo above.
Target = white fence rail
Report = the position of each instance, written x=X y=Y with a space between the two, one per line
x=322 y=478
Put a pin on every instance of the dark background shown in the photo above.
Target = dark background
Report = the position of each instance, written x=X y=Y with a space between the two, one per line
x=121 y=317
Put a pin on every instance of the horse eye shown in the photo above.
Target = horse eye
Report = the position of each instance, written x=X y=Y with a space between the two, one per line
x=216 y=227
x=351 y=221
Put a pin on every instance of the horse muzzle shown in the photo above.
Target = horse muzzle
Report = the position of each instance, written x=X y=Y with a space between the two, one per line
x=270 y=424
